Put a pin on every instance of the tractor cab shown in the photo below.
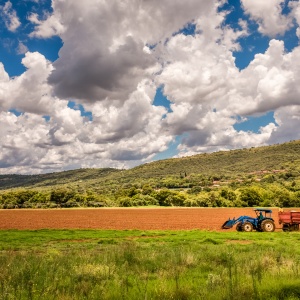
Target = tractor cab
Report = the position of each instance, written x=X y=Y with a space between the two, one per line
x=262 y=213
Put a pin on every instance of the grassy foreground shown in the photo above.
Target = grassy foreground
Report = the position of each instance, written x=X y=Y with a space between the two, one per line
x=94 y=264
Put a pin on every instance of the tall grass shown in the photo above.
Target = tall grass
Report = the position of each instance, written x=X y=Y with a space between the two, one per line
x=150 y=265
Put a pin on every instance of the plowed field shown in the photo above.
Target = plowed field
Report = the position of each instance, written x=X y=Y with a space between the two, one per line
x=123 y=218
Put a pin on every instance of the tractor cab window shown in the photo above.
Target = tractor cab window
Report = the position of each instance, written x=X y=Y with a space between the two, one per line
x=262 y=214
x=268 y=215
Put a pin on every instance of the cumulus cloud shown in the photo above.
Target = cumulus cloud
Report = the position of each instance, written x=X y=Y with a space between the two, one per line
x=10 y=17
x=31 y=144
x=30 y=91
x=268 y=14
x=117 y=136
x=19 y=136
x=270 y=81
x=208 y=91
x=295 y=7
x=288 y=119
x=45 y=28
x=197 y=80
x=117 y=34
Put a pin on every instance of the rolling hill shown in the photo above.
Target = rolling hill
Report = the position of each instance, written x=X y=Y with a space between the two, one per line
x=231 y=163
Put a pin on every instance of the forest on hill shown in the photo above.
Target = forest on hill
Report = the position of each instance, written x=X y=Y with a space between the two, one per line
x=262 y=176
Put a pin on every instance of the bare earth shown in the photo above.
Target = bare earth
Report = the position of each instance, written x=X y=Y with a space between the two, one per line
x=123 y=218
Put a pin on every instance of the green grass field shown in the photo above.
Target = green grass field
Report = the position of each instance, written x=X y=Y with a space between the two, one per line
x=96 y=264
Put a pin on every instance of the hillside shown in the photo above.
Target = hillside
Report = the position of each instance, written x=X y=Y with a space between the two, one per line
x=225 y=163
x=264 y=176
x=53 y=179
x=282 y=156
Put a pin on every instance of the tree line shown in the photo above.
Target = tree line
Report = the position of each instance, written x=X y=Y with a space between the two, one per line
x=266 y=194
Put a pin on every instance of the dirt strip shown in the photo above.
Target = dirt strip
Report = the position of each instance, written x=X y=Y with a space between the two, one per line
x=123 y=218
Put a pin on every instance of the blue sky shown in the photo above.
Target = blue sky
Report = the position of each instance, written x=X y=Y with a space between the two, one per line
x=218 y=75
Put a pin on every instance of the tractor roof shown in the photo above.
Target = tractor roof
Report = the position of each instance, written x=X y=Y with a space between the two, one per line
x=263 y=209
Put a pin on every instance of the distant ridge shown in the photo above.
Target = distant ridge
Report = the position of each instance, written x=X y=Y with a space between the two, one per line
x=226 y=163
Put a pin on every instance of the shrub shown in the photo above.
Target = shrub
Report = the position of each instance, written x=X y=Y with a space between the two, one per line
x=125 y=202
x=144 y=200
x=96 y=204
x=250 y=196
x=195 y=190
x=147 y=189
x=175 y=200
x=162 y=195
x=71 y=203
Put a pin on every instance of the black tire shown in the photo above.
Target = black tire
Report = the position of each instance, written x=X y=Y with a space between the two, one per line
x=268 y=226
x=238 y=227
x=247 y=227
x=259 y=229
x=286 y=227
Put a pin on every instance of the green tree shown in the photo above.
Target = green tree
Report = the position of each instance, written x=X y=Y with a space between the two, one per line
x=250 y=196
x=62 y=196
x=228 y=194
x=195 y=190
x=175 y=199
x=281 y=196
x=147 y=189
x=161 y=196
x=125 y=201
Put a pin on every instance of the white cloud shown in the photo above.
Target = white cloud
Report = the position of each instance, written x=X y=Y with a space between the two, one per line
x=10 y=17
x=29 y=143
x=208 y=91
x=19 y=139
x=288 y=119
x=30 y=91
x=270 y=81
x=45 y=28
x=118 y=135
x=268 y=15
x=22 y=48
x=295 y=11
x=114 y=62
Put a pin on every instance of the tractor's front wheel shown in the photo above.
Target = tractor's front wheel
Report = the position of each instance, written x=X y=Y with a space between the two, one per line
x=247 y=227
x=267 y=226
x=239 y=226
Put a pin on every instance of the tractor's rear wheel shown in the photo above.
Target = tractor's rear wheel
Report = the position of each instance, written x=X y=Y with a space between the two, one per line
x=247 y=227
x=239 y=226
x=267 y=226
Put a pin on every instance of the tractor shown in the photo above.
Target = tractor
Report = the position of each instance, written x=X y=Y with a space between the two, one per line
x=262 y=222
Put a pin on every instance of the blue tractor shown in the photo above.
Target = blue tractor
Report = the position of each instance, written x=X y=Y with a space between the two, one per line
x=262 y=222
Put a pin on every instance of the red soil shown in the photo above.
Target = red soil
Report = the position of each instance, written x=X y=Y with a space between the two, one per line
x=124 y=218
